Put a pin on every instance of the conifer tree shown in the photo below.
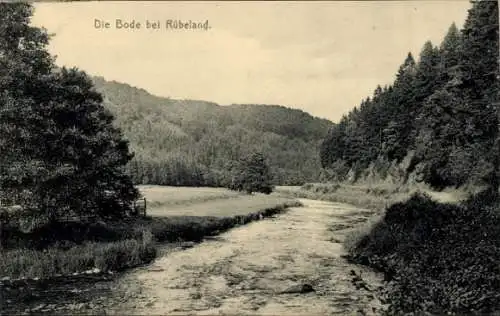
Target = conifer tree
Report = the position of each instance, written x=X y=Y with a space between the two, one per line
x=445 y=107
x=449 y=52
x=480 y=70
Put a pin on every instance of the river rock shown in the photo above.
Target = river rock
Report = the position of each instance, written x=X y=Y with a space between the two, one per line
x=299 y=288
x=187 y=244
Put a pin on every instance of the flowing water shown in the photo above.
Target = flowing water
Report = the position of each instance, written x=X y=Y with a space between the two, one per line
x=254 y=269
x=257 y=269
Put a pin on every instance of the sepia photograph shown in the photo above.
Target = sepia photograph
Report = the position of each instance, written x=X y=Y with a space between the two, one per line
x=250 y=157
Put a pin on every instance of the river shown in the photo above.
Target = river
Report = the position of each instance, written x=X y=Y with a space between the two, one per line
x=256 y=269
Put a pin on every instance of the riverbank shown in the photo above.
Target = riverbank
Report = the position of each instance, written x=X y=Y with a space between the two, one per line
x=77 y=247
x=34 y=274
x=438 y=250
x=438 y=258
x=376 y=197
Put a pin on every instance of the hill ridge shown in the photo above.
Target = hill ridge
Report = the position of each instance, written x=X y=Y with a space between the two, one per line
x=195 y=142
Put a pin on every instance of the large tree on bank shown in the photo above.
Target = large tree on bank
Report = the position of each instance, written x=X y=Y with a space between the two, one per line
x=60 y=153
x=252 y=174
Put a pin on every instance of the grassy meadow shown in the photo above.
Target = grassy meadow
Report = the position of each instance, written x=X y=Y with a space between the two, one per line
x=174 y=214
x=159 y=196
x=209 y=204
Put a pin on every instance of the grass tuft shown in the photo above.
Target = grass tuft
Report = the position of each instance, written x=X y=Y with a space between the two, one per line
x=66 y=248
x=105 y=256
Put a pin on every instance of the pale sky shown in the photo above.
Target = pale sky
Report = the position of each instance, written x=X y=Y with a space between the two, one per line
x=321 y=57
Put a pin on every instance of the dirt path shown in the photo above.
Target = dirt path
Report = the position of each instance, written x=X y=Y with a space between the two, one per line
x=246 y=270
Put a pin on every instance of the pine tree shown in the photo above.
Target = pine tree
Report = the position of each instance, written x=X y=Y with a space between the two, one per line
x=402 y=111
x=449 y=52
x=333 y=146
x=445 y=107
x=480 y=71
x=426 y=75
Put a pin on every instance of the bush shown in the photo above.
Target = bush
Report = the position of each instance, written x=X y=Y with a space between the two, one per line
x=438 y=257
x=252 y=174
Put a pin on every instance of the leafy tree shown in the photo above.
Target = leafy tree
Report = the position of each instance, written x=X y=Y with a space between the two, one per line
x=60 y=151
x=252 y=174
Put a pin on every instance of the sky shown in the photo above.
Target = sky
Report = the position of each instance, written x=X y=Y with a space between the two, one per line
x=321 y=57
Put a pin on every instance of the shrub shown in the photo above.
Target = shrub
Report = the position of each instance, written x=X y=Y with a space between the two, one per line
x=252 y=174
x=438 y=257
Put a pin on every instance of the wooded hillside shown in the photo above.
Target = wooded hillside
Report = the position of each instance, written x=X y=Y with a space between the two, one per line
x=187 y=142
x=440 y=112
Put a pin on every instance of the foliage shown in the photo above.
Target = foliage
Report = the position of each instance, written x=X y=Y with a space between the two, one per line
x=195 y=143
x=337 y=171
x=442 y=107
x=60 y=151
x=438 y=257
x=252 y=174
x=65 y=248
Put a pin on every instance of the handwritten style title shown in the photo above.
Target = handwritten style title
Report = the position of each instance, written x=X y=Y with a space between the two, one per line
x=121 y=24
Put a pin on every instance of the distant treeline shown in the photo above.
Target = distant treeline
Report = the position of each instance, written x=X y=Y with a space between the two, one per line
x=440 y=112
x=197 y=143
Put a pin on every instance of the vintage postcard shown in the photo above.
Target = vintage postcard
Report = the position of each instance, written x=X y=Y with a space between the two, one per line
x=249 y=157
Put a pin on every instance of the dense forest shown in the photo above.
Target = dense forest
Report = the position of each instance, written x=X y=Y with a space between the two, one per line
x=191 y=143
x=439 y=113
